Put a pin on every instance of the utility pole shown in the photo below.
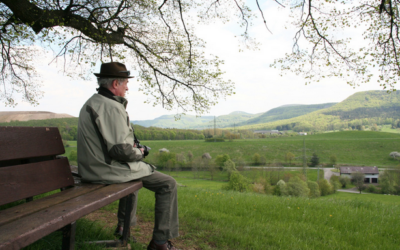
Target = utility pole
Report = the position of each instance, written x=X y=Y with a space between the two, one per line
x=215 y=133
x=304 y=158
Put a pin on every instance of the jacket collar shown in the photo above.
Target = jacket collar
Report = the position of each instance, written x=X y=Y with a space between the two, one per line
x=108 y=94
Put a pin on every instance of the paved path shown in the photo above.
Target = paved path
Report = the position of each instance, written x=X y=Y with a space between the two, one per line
x=351 y=190
x=328 y=173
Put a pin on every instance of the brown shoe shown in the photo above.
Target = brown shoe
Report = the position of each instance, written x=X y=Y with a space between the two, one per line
x=166 y=246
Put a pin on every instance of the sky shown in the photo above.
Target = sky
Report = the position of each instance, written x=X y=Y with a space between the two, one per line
x=258 y=87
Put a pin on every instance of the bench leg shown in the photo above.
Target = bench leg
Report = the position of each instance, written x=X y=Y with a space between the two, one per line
x=127 y=221
x=68 y=242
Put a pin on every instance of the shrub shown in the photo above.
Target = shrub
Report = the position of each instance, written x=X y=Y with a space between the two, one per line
x=237 y=182
x=335 y=185
x=73 y=156
x=267 y=186
x=297 y=187
x=221 y=159
x=280 y=188
x=387 y=182
x=344 y=181
x=314 y=189
x=314 y=160
x=256 y=159
x=372 y=189
x=258 y=188
x=325 y=187
x=215 y=140
x=229 y=166
x=164 y=157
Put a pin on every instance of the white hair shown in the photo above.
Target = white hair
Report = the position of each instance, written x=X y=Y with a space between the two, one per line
x=107 y=82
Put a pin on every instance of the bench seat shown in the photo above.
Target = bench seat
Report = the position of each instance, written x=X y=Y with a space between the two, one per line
x=30 y=166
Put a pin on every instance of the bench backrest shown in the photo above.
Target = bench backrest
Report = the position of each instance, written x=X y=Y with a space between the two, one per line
x=28 y=163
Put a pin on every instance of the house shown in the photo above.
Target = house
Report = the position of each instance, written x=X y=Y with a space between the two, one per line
x=302 y=133
x=371 y=173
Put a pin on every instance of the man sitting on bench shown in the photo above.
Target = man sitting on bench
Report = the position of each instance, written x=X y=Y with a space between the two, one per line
x=107 y=154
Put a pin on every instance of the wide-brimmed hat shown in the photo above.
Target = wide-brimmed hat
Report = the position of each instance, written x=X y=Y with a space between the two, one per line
x=113 y=69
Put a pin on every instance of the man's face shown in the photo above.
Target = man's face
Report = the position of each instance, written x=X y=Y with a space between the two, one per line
x=120 y=90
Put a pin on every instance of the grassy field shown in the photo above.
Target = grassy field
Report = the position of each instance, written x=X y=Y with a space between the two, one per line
x=351 y=148
x=212 y=218
x=216 y=219
x=252 y=174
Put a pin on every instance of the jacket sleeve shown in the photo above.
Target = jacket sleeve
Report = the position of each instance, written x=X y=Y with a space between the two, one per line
x=118 y=136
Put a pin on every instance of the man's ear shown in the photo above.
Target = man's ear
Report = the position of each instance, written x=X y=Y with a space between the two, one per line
x=115 y=84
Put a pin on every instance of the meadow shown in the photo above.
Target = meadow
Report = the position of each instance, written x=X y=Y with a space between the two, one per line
x=211 y=218
x=361 y=148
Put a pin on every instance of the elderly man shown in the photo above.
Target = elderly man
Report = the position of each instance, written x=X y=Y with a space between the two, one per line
x=107 y=154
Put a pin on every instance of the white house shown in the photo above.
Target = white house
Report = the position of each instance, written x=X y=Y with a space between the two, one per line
x=371 y=173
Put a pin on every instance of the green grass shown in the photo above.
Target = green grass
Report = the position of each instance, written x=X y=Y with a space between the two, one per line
x=216 y=219
x=233 y=220
x=366 y=148
x=253 y=174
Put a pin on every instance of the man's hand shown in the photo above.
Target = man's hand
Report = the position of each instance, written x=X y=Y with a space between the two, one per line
x=141 y=149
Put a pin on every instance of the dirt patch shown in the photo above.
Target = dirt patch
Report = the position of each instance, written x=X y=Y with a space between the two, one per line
x=142 y=231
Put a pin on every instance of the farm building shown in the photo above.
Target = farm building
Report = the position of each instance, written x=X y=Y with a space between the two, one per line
x=371 y=173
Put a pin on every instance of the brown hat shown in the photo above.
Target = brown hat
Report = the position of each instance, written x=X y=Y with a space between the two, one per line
x=113 y=69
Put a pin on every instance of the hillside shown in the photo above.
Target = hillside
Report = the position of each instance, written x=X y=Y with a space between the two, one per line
x=363 y=109
x=7 y=116
x=286 y=112
x=193 y=122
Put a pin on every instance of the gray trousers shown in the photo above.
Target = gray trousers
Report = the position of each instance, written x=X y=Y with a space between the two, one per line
x=166 y=224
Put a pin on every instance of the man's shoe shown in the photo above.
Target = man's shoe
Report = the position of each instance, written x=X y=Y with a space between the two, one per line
x=118 y=231
x=166 y=246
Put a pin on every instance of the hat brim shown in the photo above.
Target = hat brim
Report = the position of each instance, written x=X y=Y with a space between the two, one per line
x=109 y=76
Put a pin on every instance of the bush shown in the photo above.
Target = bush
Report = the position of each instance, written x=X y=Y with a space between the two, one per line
x=73 y=156
x=314 y=189
x=229 y=166
x=237 y=182
x=335 y=185
x=372 y=189
x=344 y=181
x=325 y=187
x=280 y=188
x=268 y=189
x=258 y=188
x=297 y=187
x=164 y=157
x=221 y=159
x=256 y=159
x=215 y=140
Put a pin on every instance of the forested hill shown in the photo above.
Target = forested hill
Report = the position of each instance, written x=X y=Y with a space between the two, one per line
x=193 y=122
x=68 y=128
x=361 y=110
x=285 y=112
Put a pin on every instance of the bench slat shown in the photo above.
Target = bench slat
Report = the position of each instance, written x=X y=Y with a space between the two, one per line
x=28 y=142
x=17 y=212
x=27 y=180
x=27 y=230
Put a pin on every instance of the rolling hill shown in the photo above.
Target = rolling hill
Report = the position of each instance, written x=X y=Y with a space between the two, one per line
x=285 y=112
x=193 y=122
x=360 y=109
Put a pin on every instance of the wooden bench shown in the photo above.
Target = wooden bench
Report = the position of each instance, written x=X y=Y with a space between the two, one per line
x=29 y=166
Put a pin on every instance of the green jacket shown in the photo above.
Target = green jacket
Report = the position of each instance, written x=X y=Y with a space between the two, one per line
x=105 y=143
